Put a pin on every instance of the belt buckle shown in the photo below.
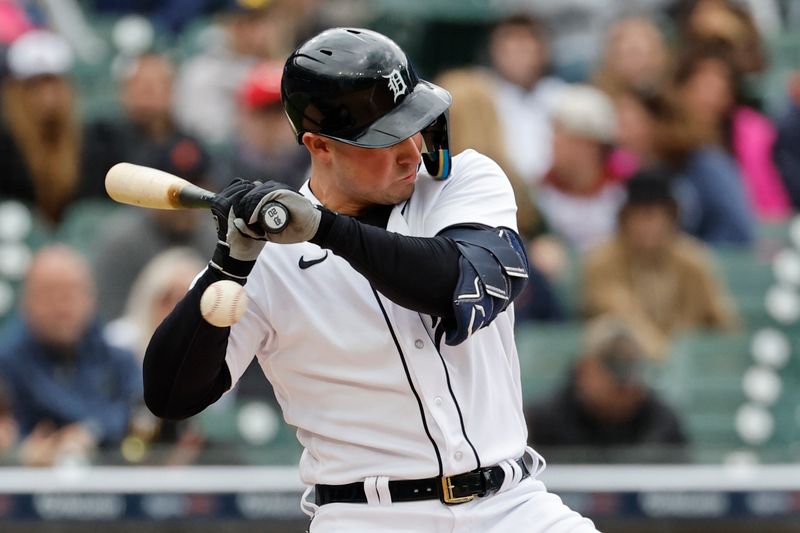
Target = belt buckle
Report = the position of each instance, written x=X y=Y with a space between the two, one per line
x=447 y=493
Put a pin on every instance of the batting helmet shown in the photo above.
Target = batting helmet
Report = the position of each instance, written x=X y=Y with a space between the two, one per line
x=358 y=87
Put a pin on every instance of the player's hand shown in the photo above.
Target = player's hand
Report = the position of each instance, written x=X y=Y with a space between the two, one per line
x=304 y=217
x=236 y=251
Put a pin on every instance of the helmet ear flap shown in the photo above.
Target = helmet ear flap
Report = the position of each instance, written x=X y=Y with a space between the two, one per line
x=437 y=148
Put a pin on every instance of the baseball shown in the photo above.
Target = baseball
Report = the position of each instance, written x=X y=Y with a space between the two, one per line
x=223 y=303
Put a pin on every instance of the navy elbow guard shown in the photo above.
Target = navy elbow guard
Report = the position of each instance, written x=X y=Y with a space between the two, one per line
x=493 y=271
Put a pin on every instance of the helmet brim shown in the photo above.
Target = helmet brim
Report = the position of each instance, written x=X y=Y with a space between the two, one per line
x=417 y=111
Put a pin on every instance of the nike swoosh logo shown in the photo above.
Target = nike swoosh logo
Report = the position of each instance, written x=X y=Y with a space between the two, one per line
x=303 y=264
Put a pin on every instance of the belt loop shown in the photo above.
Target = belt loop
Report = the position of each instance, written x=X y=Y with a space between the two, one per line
x=308 y=507
x=371 y=491
x=508 y=476
x=382 y=486
x=534 y=461
x=517 y=471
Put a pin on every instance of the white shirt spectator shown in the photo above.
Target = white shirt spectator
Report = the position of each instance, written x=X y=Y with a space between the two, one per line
x=524 y=116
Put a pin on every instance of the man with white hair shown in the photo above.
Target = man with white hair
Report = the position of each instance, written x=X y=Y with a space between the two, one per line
x=579 y=197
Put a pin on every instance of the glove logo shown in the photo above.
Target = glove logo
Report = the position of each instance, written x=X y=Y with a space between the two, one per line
x=396 y=84
x=303 y=264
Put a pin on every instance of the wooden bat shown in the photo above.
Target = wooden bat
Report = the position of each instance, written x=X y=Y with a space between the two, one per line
x=149 y=187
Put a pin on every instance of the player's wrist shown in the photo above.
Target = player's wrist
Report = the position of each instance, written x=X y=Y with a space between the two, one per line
x=326 y=222
x=230 y=267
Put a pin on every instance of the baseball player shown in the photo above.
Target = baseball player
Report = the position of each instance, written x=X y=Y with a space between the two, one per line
x=381 y=314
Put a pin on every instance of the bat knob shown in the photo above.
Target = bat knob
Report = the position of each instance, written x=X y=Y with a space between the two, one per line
x=273 y=217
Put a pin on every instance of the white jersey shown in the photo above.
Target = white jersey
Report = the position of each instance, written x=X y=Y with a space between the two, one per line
x=360 y=377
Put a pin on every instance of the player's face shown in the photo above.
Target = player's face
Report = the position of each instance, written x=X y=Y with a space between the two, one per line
x=376 y=176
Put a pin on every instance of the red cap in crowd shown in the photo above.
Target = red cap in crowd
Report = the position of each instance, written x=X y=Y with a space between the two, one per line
x=262 y=86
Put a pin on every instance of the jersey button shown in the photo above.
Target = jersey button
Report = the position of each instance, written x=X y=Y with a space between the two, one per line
x=458 y=456
x=419 y=344
x=437 y=400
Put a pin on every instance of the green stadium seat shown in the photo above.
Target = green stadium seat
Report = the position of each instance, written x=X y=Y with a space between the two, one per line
x=746 y=274
x=220 y=424
x=568 y=286
x=705 y=363
x=702 y=380
x=546 y=352
x=83 y=222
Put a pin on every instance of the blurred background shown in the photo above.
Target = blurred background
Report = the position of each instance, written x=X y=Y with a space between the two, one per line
x=654 y=150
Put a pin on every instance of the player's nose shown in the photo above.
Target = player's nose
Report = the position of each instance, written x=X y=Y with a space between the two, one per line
x=409 y=151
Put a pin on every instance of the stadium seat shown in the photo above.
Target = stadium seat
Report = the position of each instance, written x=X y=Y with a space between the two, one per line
x=83 y=221
x=746 y=274
x=223 y=422
x=546 y=352
x=703 y=369
x=702 y=380
x=568 y=286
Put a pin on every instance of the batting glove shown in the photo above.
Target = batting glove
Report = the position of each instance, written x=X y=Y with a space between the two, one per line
x=304 y=217
x=236 y=252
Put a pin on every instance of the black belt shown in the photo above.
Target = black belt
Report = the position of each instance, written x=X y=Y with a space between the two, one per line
x=460 y=488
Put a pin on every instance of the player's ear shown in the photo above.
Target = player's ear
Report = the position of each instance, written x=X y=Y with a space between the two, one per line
x=318 y=146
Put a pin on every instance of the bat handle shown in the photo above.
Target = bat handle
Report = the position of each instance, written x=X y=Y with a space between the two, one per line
x=273 y=217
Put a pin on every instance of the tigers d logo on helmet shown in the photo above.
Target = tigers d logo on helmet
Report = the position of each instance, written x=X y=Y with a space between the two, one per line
x=396 y=84
x=358 y=87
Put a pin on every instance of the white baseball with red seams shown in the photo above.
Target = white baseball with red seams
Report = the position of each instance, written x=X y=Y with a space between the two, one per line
x=223 y=303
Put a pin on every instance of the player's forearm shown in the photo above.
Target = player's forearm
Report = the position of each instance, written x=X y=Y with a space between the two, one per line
x=415 y=272
x=184 y=367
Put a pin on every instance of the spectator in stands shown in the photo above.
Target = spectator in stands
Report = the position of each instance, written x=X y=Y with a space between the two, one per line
x=71 y=391
x=146 y=94
x=46 y=158
x=635 y=57
x=787 y=145
x=207 y=84
x=519 y=56
x=9 y=431
x=475 y=123
x=264 y=145
x=579 y=197
x=651 y=274
x=708 y=86
x=134 y=236
x=605 y=411
x=722 y=21
x=160 y=285
x=146 y=90
x=14 y=21
x=655 y=131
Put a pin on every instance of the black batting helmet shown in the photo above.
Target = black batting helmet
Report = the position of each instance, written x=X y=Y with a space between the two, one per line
x=358 y=87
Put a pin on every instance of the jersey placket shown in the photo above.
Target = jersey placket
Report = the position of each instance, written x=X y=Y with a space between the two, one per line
x=431 y=381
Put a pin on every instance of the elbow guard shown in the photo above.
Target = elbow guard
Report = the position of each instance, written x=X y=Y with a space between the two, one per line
x=493 y=271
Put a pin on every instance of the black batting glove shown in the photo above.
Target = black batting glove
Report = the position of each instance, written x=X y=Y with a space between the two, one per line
x=236 y=251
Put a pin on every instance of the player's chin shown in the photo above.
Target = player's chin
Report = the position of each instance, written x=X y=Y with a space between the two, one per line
x=401 y=192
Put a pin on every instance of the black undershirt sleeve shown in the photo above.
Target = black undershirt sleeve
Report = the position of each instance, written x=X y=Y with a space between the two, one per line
x=418 y=273
x=184 y=366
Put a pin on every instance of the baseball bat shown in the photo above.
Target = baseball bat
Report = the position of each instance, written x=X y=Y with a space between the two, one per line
x=149 y=187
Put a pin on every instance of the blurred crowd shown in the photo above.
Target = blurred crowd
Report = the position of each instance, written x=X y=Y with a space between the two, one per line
x=636 y=156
